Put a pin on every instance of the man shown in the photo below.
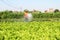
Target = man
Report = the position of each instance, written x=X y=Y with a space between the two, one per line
x=27 y=16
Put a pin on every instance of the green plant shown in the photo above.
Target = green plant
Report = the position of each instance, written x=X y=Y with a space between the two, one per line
x=29 y=30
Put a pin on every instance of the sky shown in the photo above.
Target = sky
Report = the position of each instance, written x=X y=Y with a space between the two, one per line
x=29 y=4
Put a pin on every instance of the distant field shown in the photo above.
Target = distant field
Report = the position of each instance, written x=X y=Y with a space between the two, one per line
x=30 y=30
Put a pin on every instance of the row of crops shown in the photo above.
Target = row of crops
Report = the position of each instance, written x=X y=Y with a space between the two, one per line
x=37 y=16
x=29 y=30
x=18 y=15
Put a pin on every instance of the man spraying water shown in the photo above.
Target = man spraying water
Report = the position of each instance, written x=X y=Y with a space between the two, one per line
x=27 y=16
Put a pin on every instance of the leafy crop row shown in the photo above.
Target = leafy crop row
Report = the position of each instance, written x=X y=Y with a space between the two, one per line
x=18 y=15
x=29 y=30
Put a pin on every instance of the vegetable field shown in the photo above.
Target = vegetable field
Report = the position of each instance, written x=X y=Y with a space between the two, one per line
x=29 y=30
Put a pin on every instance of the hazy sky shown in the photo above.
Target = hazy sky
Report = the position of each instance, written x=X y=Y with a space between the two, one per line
x=29 y=4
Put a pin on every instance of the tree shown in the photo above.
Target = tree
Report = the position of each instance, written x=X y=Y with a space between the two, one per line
x=56 y=10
